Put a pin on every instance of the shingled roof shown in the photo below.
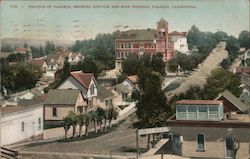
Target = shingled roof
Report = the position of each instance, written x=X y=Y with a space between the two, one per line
x=139 y=34
x=234 y=100
x=103 y=92
x=62 y=96
x=38 y=62
x=83 y=78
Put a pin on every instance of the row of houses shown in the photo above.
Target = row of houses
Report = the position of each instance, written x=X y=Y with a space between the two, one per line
x=23 y=118
x=81 y=93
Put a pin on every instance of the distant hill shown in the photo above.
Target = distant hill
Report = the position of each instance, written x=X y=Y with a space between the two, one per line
x=18 y=42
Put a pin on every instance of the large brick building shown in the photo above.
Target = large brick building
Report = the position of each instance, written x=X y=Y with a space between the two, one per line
x=143 y=41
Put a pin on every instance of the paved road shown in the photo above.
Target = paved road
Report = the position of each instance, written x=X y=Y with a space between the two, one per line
x=203 y=71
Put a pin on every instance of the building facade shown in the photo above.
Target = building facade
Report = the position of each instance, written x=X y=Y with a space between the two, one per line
x=202 y=129
x=60 y=102
x=179 y=40
x=143 y=41
x=21 y=123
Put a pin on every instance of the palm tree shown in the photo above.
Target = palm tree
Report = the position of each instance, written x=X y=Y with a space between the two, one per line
x=66 y=125
x=93 y=117
x=87 y=121
x=81 y=120
x=73 y=118
x=112 y=115
x=100 y=116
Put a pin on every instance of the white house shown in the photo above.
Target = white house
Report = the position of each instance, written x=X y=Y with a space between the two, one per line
x=180 y=41
x=85 y=82
x=21 y=123
x=74 y=58
x=131 y=82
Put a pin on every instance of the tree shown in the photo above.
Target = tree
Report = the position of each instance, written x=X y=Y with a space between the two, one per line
x=73 y=117
x=100 y=116
x=244 y=39
x=130 y=65
x=66 y=68
x=49 y=47
x=66 y=123
x=232 y=47
x=93 y=117
x=221 y=79
x=89 y=66
x=158 y=64
x=81 y=120
x=87 y=121
x=112 y=115
x=152 y=109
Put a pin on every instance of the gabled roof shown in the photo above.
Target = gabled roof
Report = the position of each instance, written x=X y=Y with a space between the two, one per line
x=234 y=100
x=178 y=33
x=133 y=78
x=139 y=34
x=103 y=93
x=62 y=96
x=39 y=62
x=122 y=88
x=199 y=102
x=83 y=78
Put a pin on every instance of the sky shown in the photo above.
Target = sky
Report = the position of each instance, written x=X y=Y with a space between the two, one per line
x=48 y=20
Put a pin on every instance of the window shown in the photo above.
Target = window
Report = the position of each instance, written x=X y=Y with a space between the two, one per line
x=202 y=112
x=39 y=124
x=192 y=112
x=106 y=102
x=213 y=112
x=92 y=89
x=22 y=126
x=181 y=112
x=54 y=112
x=80 y=109
x=201 y=141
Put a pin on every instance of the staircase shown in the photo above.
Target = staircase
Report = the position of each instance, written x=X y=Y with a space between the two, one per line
x=8 y=153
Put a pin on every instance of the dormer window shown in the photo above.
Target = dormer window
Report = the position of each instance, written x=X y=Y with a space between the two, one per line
x=199 y=110
x=92 y=89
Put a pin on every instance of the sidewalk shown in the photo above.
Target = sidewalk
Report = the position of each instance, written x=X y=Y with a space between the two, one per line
x=153 y=150
x=55 y=134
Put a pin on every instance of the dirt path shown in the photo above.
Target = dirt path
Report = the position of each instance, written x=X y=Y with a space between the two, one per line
x=124 y=137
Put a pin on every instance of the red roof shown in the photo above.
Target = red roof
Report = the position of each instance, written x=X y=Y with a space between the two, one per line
x=38 y=62
x=83 y=78
x=178 y=33
x=243 y=69
x=199 y=102
x=22 y=49
x=133 y=78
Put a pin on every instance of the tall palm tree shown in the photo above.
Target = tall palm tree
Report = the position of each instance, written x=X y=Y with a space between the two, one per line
x=87 y=121
x=112 y=115
x=81 y=120
x=100 y=116
x=66 y=122
x=93 y=117
x=73 y=118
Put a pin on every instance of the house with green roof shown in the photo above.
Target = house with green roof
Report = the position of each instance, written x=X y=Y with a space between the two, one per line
x=60 y=102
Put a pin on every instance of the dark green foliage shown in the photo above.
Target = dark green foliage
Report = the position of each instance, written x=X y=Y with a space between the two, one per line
x=101 y=49
x=18 y=57
x=89 y=66
x=226 y=63
x=122 y=77
x=6 y=48
x=37 y=52
x=152 y=109
x=136 y=95
x=49 y=47
x=232 y=47
x=20 y=77
x=131 y=65
x=66 y=68
x=244 y=39
x=221 y=79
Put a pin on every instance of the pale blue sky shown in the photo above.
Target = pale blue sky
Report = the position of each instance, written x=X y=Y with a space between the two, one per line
x=231 y=16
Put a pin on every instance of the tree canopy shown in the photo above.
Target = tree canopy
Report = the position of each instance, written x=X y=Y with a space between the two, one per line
x=244 y=39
